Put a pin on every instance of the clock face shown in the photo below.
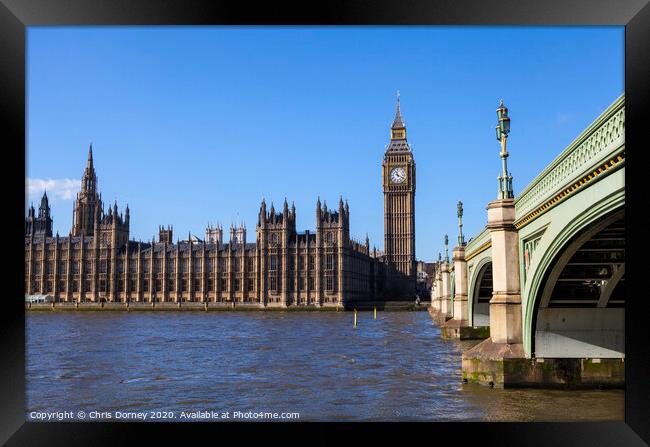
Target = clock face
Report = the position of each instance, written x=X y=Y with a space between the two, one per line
x=397 y=175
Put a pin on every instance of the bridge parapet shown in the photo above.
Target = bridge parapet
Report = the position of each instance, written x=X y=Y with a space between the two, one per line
x=598 y=147
x=478 y=244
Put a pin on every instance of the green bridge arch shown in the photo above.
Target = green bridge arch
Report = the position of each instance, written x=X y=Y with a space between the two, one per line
x=571 y=200
x=559 y=230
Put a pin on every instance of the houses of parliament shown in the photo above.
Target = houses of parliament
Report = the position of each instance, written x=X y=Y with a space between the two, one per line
x=98 y=262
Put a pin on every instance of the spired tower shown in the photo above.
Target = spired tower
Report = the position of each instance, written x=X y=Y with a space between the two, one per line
x=238 y=234
x=214 y=235
x=40 y=225
x=166 y=234
x=88 y=201
x=398 y=179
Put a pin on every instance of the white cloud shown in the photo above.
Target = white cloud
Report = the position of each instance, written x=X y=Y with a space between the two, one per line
x=56 y=188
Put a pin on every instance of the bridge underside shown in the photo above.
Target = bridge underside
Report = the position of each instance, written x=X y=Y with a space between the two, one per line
x=582 y=313
x=482 y=297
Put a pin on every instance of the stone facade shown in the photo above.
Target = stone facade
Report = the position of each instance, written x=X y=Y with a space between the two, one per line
x=97 y=262
x=398 y=178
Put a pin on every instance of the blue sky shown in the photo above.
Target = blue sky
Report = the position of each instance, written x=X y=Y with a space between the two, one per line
x=197 y=124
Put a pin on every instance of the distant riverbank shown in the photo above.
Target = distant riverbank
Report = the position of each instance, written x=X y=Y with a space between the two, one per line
x=390 y=306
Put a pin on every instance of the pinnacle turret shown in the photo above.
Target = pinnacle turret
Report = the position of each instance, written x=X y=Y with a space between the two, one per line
x=398 y=123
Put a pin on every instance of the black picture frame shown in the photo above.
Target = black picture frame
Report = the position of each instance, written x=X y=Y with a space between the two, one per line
x=16 y=15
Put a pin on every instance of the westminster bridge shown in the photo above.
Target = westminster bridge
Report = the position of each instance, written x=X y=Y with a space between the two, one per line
x=544 y=283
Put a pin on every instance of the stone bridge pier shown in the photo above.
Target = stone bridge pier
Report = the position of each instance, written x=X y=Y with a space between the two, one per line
x=459 y=325
x=488 y=361
x=544 y=282
x=439 y=309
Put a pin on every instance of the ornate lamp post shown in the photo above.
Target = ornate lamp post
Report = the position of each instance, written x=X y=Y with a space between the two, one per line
x=502 y=130
x=461 y=238
x=446 y=248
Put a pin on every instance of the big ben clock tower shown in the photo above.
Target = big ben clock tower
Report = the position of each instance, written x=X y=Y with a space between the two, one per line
x=398 y=178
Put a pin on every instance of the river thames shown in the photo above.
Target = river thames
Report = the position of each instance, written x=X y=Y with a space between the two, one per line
x=316 y=364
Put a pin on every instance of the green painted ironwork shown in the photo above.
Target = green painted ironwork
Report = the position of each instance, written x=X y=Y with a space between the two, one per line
x=601 y=140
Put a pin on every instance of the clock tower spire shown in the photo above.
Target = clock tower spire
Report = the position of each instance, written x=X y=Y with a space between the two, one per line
x=398 y=169
x=398 y=129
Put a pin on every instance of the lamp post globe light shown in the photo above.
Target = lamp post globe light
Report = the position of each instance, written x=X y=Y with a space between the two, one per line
x=502 y=131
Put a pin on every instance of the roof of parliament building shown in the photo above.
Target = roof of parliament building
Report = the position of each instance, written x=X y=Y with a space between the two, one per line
x=91 y=221
x=325 y=267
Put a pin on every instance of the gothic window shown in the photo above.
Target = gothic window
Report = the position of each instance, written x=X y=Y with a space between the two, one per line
x=61 y=286
x=329 y=262
x=311 y=263
x=62 y=268
x=184 y=285
x=133 y=265
x=222 y=265
x=184 y=265
x=102 y=285
x=171 y=265
x=272 y=284
x=310 y=283
x=273 y=263
x=131 y=285
x=88 y=267
x=235 y=265
x=75 y=286
x=291 y=265
x=170 y=285
x=104 y=239
x=210 y=285
x=196 y=265
x=301 y=283
x=197 y=286
x=301 y=262
x=274 y=239
x=49 y=286
x=120 y=266
x=103 y=264
x=119 y=286
x=250 y=264
x=222 y=284
x=75 y=267
x=208 y=264
x=145 y=267
x=145 y=286
x=328 y=237
x=156 y=265
x=328 y=283
x=158 y=286
x=235 y=286
x=251 y=284
x=37 y=269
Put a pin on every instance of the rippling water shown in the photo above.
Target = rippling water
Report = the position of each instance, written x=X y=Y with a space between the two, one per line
x=394 y=368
